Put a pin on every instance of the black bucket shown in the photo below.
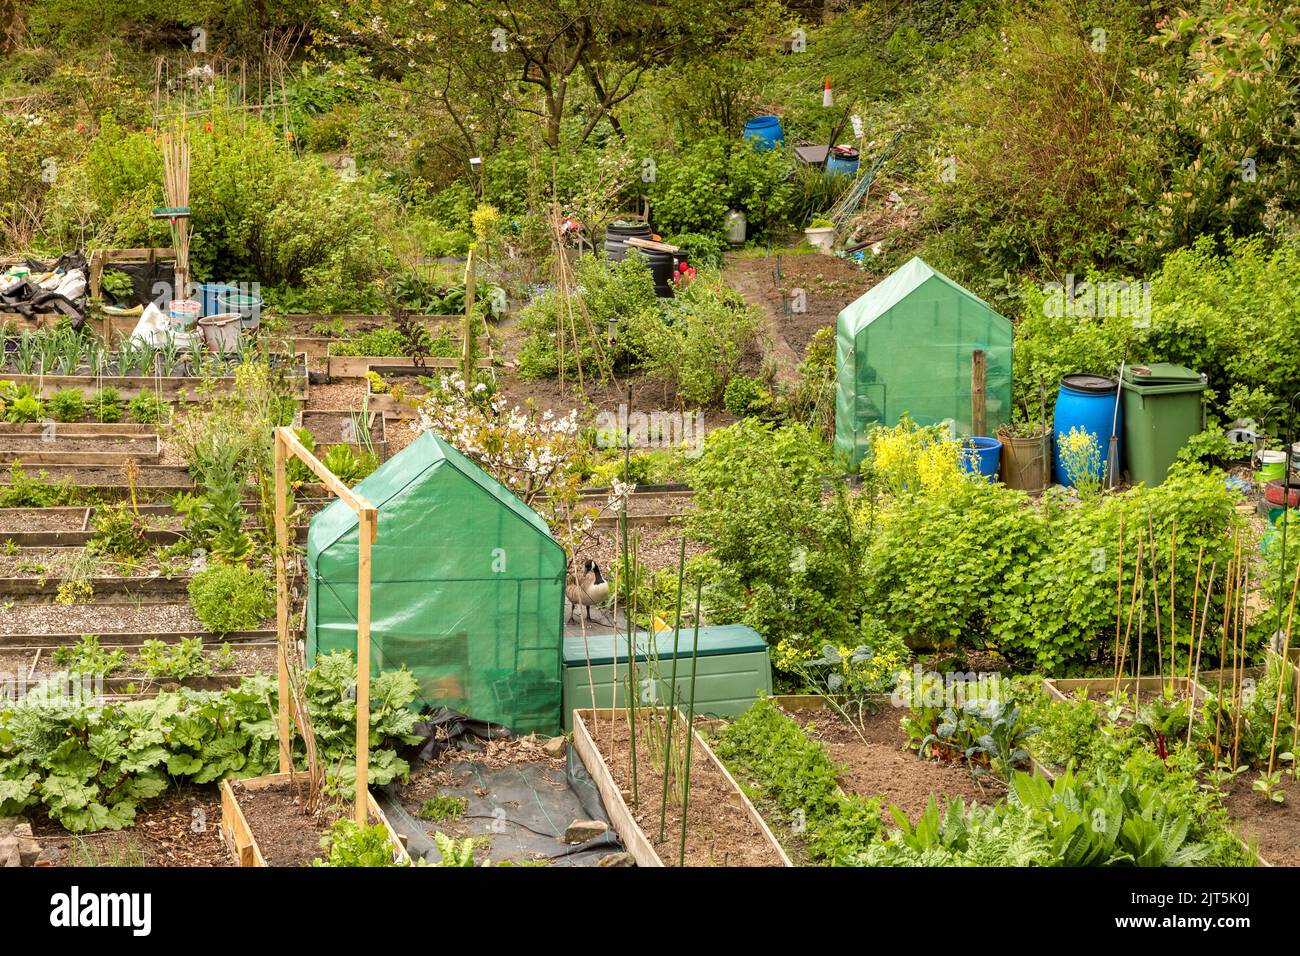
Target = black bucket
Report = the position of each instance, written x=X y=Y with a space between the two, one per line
x=616 y=232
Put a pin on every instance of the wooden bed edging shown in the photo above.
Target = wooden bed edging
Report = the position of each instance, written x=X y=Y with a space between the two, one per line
x=242 y=844
x=634 y=838
x=1059 y=688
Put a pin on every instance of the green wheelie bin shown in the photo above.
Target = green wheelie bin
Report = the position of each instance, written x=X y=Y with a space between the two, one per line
x=1162 y=409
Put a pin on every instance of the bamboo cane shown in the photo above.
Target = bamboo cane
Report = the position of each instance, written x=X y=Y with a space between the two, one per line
x=1196 y=594
x=1119 y=595
x=1200 y=641
x=1155 y=598
x=1142 y=607
x=690 y=723
x=1281 y=677
x=1241 y=656
x=631 y=669
x=1128 y=627
x=672 y=693
x=1229 y=586
x=1173 y=635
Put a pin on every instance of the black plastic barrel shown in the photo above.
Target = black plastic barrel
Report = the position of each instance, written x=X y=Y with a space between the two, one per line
x=661 y=265
x=616 y=232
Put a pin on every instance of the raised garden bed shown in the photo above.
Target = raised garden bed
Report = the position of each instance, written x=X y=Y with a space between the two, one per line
x=882 y=766
x=723 y=827
x=356 y=366
x=109 y=481
x=69 y=518
x=170 y=387
x=78 y=443
x=402 y=395
x=32 y=640
x=263 y=825
x=331 y=427
x=102 y=619
x=1273 y=827
x=1144 y=688
x=131 y=678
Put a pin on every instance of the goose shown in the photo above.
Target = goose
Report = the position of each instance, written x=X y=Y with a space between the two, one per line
x=588 y=589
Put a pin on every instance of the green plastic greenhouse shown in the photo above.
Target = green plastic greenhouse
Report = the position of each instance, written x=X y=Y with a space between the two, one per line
x=903 y=350
x=467 y=588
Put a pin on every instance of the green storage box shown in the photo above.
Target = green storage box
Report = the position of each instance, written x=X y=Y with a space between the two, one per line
x=1162 y=409
x=734 y=668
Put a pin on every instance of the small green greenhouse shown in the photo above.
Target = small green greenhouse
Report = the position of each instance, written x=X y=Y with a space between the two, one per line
x=904 y=350
x=467 y=587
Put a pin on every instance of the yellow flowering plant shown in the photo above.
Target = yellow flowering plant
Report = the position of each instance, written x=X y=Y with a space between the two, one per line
x=910 y=459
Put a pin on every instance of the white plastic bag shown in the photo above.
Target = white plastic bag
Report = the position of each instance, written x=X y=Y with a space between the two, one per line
x=153 y=327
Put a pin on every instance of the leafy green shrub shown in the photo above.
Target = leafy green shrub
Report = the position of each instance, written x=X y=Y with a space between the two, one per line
x=782 y=557
x=350 y=844
x=148 y=409
x=613 y=296
x=231 y=597
x=88 y=657
x=24 y=491
x=440 y=808
x=700 y=341
x=106 y=406
x=117 y=530
x=745 y=395
x=67 y=405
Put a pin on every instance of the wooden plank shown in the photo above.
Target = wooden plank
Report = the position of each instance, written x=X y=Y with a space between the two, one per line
x=651 y=244
x=282 y=600
x=328 y=479
x=356 y=366
x=1098 y=687
x=135 y=638
x=629 y=831
x=151 y=451
x=82 y=429
x=365 y=538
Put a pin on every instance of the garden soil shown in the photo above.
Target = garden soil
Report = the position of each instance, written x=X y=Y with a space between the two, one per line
x=285 y=835
x=719 y=832
x=1275 y=826
x=883 y=767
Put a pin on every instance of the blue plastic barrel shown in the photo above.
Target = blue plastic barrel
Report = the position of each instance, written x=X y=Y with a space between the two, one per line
x=208 y=293
x=1087 y=402
x=981 y=456
x=842 y=161
x=765 y=131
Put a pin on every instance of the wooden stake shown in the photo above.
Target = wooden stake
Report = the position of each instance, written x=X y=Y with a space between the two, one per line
x=1240 y=656
x=282 y=605
x=1229 y=585
x=690 y=722
x=1128 y=627
x=1155 y=597
x=1284 y=665
x=979 y=418
x=1200 y=641
x=1119 y=595
x=1196 y=593
x=1173 y=639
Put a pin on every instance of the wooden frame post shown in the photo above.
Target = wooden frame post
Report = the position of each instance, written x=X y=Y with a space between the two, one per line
x=978 y=374
x=471 y=285
x=287 y=446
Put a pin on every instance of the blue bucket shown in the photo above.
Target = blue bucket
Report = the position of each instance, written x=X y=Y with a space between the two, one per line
x=981 y=456
x=842 y=161
x=208 y=293
x=1087 y=402
x=765 y=131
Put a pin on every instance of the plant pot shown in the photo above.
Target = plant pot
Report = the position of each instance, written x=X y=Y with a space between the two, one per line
x=1283 y=494
x=247 y=307
x=821 y=238
x=1025 y=461
x=221 y=332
